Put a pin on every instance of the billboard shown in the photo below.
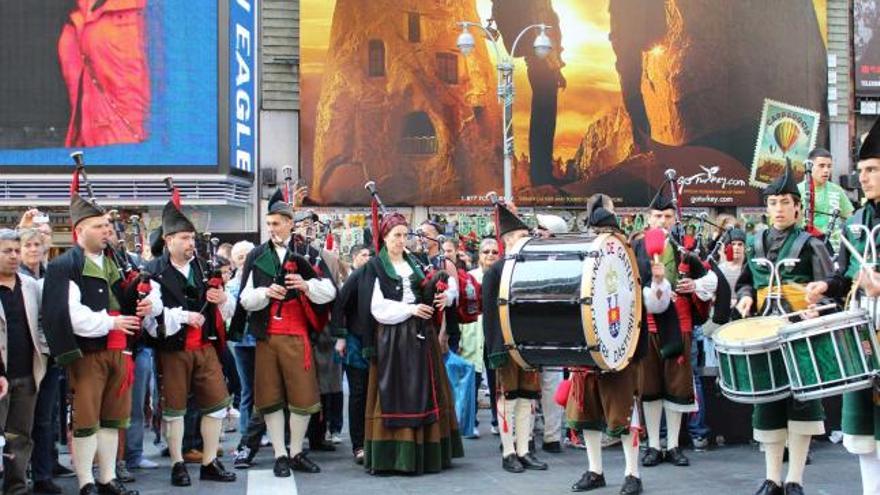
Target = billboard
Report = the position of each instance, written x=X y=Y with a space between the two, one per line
x=631 y=89
x=133 y=83
x=866 y=41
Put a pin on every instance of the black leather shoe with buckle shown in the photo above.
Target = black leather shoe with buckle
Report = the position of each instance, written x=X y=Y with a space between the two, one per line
x=302 y=463
x=589 y=481
x=216 y=472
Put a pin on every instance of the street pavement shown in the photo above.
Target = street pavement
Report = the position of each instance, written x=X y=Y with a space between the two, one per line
x=719 y=471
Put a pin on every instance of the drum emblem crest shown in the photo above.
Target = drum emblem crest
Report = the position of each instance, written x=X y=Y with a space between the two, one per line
x=611 y=281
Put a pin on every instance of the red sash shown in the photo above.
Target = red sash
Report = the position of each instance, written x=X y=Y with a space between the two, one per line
x=117 y=340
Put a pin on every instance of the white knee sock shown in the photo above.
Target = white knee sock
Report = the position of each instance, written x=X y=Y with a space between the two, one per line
x=593 y=440
x=174 y=437
x=523 y=428
x=673 y=428
x=275 y=429
x=630 y=455
x=869 y=465
x=798 y=448
x=211 y=428
x=299 y=424
x=653 y=414
x=773 y=453
x=84 y=449
x=505 y=428
x=108 y=445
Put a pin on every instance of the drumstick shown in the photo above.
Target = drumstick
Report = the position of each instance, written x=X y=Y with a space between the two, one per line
x=817 y=308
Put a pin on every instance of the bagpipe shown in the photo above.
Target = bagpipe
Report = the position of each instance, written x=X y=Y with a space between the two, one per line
x=133 y=277
x=694 y=260
x=293 y=261
x=436 y=279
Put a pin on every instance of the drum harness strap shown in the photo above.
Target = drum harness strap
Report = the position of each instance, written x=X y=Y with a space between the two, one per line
x=794 y=252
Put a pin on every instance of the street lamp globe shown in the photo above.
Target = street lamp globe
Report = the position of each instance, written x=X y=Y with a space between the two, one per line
x=543 y=45
x=465 y=41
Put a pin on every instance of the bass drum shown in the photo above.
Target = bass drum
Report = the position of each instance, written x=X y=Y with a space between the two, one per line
x=571 y=301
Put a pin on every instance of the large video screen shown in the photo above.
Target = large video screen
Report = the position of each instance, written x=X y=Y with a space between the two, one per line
x=133 y=83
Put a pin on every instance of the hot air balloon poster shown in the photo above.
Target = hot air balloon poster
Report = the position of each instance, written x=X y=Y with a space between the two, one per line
x=786 y=132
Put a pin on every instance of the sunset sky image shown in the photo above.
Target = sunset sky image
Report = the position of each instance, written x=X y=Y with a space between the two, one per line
x=593 y=87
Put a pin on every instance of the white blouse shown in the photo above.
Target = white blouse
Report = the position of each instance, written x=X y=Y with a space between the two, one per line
x=389 y=311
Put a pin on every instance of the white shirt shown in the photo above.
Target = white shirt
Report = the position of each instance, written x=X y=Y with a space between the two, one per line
x=657 y=297
x=94 y=324
x=177 y=317
x=321 y=290
x=392 y=312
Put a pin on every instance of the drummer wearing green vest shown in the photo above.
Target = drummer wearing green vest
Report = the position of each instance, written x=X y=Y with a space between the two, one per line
x=861 y=412
x=788 y=420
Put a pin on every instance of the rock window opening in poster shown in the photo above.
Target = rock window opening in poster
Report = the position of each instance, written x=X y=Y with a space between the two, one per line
x=414 y=27
x=447 y=68
x=377 y=58
x=419 y=136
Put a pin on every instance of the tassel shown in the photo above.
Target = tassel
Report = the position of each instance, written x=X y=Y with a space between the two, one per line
x=374 y=214
x=128 y=381
x=504 y=426
x=635 y=426
x=175 y=197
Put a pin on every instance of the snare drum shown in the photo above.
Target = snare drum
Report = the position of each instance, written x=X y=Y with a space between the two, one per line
x=830 y=355
x=571 y=301
x=750 y=363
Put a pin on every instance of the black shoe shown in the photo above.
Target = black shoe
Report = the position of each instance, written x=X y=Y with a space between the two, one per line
x=793 y=489
x=244 y=458
x=769 y=488
x=302 y=463
x=322 y=447
x=589 y=481
x=631 y=486
x=179 y=475
x=677 y=457
x=89 y=489
x=216 y=472
x=552 y=447
x=282 y=467
x=47 y=486
x=59 y=471
x=652 y=457
x=529 y=461
x=511 y=464
x=122 y=473
x=115 y=487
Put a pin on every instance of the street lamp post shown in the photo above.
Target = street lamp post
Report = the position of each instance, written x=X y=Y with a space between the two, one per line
x=542 y=46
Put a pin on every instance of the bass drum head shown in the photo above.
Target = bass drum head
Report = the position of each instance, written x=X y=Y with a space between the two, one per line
x=612 y=309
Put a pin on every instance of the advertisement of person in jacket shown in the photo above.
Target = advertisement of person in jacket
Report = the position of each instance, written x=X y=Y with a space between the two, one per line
x=103 y=57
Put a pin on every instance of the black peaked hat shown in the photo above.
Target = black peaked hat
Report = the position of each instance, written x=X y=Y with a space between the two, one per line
x=80 y=209
x=277 y=204
x=598 y=215
x=661 y=202
x=785 y=184
x=870 y=147
x=508 y=222
x=174 y=221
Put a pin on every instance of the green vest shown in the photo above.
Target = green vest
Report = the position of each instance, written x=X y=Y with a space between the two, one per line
x=801 y=273
x=108 y=273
